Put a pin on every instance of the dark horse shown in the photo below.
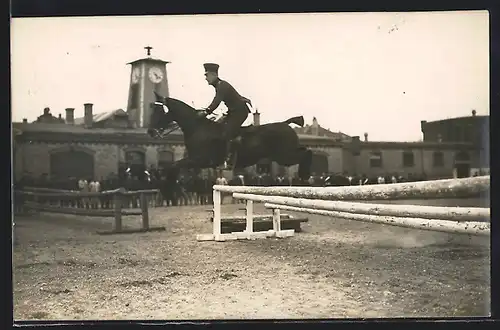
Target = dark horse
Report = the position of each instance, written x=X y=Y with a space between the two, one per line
x=206 y=147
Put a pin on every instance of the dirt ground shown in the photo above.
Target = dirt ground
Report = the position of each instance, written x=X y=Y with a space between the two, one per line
x=333 y=269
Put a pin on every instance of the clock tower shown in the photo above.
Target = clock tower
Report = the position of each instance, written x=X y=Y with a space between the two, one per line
x=147 y=75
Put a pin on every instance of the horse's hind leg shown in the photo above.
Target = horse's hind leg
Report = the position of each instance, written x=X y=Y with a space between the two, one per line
x=301 y=156
x=305 y=163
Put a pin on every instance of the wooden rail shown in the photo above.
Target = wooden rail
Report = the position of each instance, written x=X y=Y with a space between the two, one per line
x=67 y=202
x=104 y=200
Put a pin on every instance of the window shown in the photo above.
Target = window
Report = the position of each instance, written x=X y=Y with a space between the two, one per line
x=376 y=159
x=462 y=156
x=135 y=158
x=264 y=166
x=438 y=159
x=468 y=133
x=165 y=158
x=408 y=159
x=281 y=170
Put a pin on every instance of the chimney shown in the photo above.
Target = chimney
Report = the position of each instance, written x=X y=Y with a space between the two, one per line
x=315 y=127
x=88 y=118
x=422 y=125
x=256 y=117
x=25 y=120
x=366 y=137
x=70 y=116
x=473 y=113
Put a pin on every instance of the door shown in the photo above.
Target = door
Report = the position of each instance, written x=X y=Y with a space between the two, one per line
x=462 y=164
x=463 y=170
x=72 y=163
x=319 y=164
x=165 y=158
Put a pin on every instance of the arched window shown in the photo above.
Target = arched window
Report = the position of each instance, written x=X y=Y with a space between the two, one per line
x=135 y=159
x=319 y=164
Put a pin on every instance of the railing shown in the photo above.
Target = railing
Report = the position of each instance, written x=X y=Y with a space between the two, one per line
x=71 y=202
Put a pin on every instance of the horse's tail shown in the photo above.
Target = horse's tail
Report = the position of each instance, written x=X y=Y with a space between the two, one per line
x=299 y=120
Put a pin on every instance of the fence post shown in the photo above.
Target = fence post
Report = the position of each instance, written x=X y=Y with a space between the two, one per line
x=249 y=216
x=217 y=214
x=276 y=220
x=118 y=198
x=144 y=209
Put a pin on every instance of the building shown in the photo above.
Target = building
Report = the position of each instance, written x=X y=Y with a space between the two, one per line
x=100 y=144
x=427 y=159
x=472 y=130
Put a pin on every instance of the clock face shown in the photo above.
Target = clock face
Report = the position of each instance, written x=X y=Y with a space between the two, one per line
x=155 y=75
x=136 y=74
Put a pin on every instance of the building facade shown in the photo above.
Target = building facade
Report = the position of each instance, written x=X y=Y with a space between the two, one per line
x=99 y=145
x=474 y=130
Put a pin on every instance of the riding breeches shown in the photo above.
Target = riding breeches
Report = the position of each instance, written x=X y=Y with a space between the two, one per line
x=233 y=121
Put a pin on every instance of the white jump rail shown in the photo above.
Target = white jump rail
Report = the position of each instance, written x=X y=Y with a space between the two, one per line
x=329 y=201
x=470 y=228
x=448 y=188
x=406 y=211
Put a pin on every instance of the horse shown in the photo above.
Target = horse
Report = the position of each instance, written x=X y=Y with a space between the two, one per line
x=206 y=147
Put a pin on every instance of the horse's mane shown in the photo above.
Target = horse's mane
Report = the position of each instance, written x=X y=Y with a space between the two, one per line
x=175 y=102
x=183 y=106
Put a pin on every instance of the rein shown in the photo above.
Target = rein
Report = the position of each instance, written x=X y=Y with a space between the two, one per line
x=164 y=134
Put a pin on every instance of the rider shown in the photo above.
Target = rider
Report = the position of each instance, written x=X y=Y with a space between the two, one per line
x=236 y=104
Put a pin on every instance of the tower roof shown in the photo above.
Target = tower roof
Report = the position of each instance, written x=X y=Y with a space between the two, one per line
x=149 y=58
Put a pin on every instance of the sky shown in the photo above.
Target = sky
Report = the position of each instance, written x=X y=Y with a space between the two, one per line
x=379 y=73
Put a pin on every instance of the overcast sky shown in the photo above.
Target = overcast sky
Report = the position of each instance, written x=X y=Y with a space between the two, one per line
x=379 y=73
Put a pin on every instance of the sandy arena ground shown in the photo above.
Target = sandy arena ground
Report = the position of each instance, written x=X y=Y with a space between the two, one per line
x=333 y=269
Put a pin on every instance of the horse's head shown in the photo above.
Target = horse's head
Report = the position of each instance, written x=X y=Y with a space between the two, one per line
x=167 y=110
x=160 y=115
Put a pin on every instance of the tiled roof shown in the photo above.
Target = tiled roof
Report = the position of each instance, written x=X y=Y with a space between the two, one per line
x=65 y=128
x=322 y=132
x=97 y=117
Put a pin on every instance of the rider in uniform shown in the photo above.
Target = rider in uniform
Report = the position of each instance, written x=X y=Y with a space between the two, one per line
x=236 y=104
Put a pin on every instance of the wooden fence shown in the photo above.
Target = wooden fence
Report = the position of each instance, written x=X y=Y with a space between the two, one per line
x=90 y=204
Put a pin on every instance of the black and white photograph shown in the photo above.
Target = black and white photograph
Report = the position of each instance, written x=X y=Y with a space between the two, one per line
x=251 y=166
